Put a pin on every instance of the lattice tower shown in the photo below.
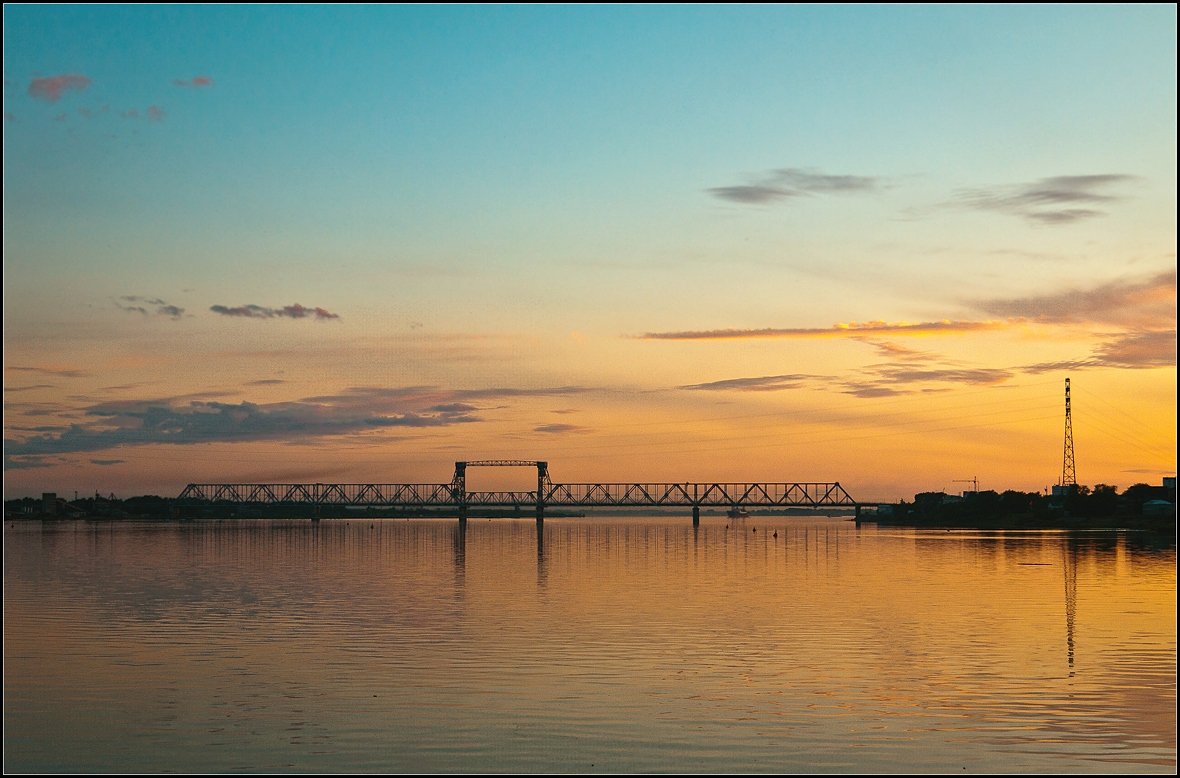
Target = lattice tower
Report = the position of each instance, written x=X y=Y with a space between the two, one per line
x=1068 y=476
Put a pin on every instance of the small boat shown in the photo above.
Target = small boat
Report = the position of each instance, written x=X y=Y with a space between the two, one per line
x=737 y=513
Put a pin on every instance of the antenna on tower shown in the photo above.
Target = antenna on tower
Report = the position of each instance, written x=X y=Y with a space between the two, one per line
x=1068 y=476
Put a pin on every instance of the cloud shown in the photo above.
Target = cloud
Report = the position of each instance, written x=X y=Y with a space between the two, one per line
x=559 y=429
x=1140 y=349
x=769 y=383
x=1145 y=302
x=108 y=425
x=1132 y=350
x=849 y=330
x=162 y=308
x=146 y=422
x=295 y=311
x=27 y=463
x=905 y=375
x=756 y=194
x=155 y=113
x=63 y=372
x=786 y=183
x=197 y=82
x=892 y=380
x=896 y=351
x=29 y=388
x=427 y=397
x=266 y=382
x=1055 y=200
x=107 y=462
x=51 y=88
x=453 y=408
x=871 y=391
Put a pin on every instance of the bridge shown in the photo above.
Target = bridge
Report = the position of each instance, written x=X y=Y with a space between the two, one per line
x=455 y=494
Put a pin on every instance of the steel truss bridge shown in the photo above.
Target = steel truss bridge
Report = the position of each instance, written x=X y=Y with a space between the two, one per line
x=455 y=495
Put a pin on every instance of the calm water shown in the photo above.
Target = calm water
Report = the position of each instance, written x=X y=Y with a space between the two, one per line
x=612 y=645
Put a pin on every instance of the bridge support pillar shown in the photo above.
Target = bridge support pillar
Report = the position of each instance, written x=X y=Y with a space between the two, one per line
x=540 y=515
x=696 y=515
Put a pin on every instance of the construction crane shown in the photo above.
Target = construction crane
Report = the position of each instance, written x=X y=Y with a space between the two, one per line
x=974 y=481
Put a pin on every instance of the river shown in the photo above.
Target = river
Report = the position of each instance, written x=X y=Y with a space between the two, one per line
x=608 y=644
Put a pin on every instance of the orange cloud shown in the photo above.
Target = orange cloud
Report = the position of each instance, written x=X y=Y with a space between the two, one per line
x=196 y=83
x=50 y=89
x=851 y=329
x=1146 y=302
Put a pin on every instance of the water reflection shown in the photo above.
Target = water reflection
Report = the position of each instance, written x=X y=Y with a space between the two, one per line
x=622 y=645
x=1069 y=568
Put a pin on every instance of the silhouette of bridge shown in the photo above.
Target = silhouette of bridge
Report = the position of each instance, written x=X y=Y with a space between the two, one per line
x=455 y=494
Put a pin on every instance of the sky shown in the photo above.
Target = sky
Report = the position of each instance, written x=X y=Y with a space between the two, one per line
x=864 y=244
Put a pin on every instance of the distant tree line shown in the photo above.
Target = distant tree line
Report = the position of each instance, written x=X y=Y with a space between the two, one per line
x=1077 y=505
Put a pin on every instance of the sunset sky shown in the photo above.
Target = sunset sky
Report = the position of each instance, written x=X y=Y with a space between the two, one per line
x=863 y=244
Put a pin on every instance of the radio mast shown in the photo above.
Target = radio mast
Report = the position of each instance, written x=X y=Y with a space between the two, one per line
x=1068 y=476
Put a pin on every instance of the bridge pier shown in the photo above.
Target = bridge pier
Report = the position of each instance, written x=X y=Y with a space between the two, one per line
x=696 y=515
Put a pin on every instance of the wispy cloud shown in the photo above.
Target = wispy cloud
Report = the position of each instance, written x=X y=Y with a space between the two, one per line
x=906 y=375
x=871 y=391
x=849 y=330
x=294 y=311
x=134 y=423
x=1140 y=349
x=560 y=429
x=767 y=383
x=162 y=308
x=175 y=421
x=1144 y=302
x=893 y=380
x=424 y=397
x=107 y=462
x=29 y=388
x=27 y=463
x=786 y=183
x=52 y=88
x=1055 y=200
x=54 y=371
x=197 y=82
x=155 y=113
x=891 y=350
x=1133 y=350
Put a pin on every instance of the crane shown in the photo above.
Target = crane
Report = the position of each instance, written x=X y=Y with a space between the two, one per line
x=974 y=481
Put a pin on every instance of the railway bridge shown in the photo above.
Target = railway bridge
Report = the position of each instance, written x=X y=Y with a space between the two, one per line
x=455 y=494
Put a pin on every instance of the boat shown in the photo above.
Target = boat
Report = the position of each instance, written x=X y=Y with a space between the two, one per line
x=737 y=513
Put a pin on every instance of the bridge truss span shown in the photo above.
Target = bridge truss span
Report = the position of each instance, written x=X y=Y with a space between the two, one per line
x=547 y=494
x=762 y=495
x=420 y=495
